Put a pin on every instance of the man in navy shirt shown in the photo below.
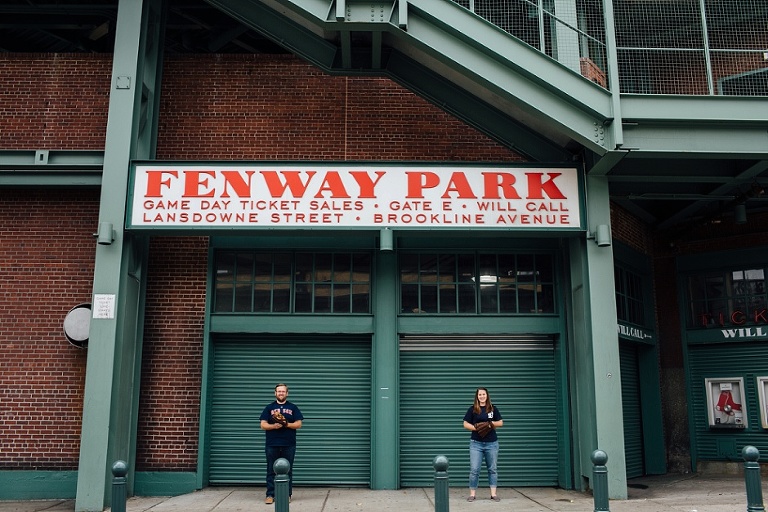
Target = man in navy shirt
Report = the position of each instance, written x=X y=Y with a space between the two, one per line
x=280 y=419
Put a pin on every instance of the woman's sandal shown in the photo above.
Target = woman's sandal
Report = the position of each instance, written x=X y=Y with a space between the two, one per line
x=471 y=498
x=495 y=497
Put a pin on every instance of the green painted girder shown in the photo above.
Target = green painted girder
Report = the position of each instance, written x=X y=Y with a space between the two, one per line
x=429 y=84
x=516 y=80
x=41 y=168
x=522 y=81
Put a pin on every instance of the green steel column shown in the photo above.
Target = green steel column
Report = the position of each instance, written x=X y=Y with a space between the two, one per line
x=598 y=416
x=385 y=367
x=114 y=347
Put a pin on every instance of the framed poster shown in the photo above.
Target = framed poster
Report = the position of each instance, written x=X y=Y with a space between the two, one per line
x=762 y=395
x=725 y=403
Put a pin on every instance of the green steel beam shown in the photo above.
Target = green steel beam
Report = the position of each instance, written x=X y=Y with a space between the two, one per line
x=44 y=158
x=473 y=110
x=519 y=81
x=595 y=359
x=51 y=168
x=110 y=410
x=50 y=178
x=283 y=31
x=397 y=66
x=385 y=357
x=524 y=81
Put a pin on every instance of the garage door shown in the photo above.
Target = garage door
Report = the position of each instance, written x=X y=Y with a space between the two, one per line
x=632 y=412
x=328 y=378
x=438 y=379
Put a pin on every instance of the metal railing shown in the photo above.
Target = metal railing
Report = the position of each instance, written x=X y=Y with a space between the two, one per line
x=689 y=47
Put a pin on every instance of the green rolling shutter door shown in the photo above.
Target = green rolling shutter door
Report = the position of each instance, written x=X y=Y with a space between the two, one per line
x=632 y=412
x=328 y=378
x=438 y=378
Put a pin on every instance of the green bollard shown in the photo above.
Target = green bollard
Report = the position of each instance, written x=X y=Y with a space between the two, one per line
x=752 y=479
x=440 y=463
x=282 y=467
x=119 y=470
x=600 y=480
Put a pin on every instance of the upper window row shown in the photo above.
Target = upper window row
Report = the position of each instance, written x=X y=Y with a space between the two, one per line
x=440 y=283
x=731 y=297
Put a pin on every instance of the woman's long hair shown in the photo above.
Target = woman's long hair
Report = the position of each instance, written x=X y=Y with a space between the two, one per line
x=488 y=404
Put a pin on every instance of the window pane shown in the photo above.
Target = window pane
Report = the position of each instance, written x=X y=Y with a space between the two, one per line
x=322 y=298
x=225 y=266
x=341 y=298
x=323 y=263
x=361 y=298
x=282 y=262
x=467 y=303
x=303 y=294
x=304 y=267
x=281 y=300
x=223 y=298
x=545 y=268
x=488 y=299
x=243 y=297
x=447 y=268
x=508 y=296
x=448 y=298
x=525 y=296
x=428 y=268
x=361 y=265
x=263 y=268
x=409 y=298
x=342 y=268
x=428 y=299
x=262 y=295
x=547 y=299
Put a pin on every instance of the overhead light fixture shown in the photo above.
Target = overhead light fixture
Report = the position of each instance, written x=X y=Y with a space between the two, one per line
x=601 y=236
x=106 y=234
x=386 y=240
x=740 y=213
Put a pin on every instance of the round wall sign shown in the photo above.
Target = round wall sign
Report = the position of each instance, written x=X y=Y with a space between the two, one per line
x=77 y=324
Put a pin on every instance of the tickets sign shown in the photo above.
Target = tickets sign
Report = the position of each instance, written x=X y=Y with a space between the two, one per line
x=355 y=196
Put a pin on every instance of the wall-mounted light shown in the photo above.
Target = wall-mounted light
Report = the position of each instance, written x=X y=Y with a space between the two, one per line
x=601 y=236
x=740 y=213
x=106 y=234
x=386 y=240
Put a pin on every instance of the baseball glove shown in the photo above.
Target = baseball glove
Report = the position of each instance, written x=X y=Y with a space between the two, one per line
x=483 y=428
x=279 y=418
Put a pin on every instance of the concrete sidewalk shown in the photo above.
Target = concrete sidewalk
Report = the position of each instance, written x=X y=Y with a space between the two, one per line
x=668 y=493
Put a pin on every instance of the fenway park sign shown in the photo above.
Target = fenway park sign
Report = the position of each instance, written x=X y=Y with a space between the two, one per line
x=366 y=196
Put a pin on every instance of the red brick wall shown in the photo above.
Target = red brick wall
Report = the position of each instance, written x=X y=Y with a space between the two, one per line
x=169 y=419
x=57 y=101
x=46 y=268
x=269 y=107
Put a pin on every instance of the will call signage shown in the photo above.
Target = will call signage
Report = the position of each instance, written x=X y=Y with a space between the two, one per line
x=177 y=195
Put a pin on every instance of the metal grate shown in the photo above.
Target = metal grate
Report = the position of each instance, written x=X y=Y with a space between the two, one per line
x=694 y=47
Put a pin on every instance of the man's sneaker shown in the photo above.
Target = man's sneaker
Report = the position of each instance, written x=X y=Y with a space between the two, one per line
x=270 y=500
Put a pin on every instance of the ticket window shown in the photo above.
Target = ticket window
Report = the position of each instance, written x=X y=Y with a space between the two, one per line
x=725 y=399
x=762 y=394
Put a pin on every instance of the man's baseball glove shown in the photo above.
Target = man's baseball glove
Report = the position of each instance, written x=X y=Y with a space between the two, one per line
x=483 y=428
x=279 y=418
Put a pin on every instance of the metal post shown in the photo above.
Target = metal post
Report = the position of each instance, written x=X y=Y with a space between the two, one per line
x=600 y=480
x=440 y=463
x=119 y=470
x=752 y=479
x=282 y=467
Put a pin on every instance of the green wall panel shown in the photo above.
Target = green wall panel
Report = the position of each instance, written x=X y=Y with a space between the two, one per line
x=437 y=385
x=329 y=378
